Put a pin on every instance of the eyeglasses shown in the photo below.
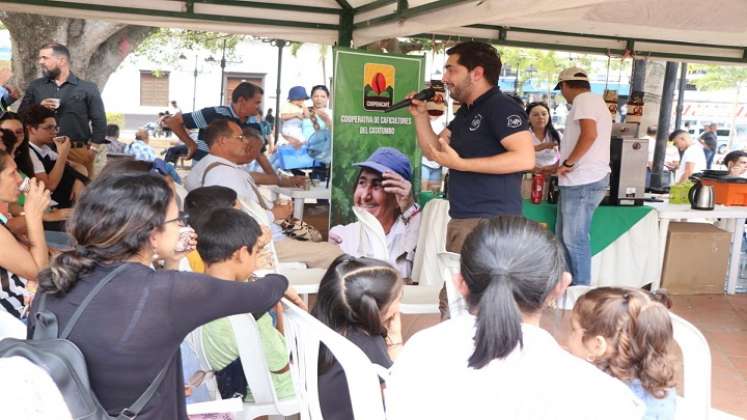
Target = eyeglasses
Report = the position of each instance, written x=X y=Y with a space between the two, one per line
x=49 y=127
x=182 y=220
x=241 y=138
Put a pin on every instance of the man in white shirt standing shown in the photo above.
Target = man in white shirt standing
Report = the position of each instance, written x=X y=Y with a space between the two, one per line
x=583 y=174
x=229 y=151
x=693 y=158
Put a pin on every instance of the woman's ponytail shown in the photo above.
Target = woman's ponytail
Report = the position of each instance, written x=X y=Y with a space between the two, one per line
x=653 y=340
x=510 y=266
x=369 y=314
x=498 y=323
x=64 y=270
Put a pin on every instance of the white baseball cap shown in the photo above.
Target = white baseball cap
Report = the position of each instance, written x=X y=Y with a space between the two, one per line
x=571 y=73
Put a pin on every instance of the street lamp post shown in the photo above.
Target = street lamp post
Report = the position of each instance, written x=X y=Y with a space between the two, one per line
x=194 y=86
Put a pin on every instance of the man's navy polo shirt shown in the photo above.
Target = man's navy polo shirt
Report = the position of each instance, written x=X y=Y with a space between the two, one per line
x=202 y=118
x=477 y=131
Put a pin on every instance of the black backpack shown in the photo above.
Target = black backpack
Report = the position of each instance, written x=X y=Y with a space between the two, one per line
x=66 y=365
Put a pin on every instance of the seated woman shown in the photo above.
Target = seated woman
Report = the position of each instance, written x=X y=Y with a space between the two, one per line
x=384 y=189
x=20 y=263
x=15 y=143
x=132 y=329
x=65 y=179
x=496 y=361
x=629 y=335
x=358 y=298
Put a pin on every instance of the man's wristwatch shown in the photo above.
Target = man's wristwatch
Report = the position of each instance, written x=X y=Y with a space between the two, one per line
x=568 y=165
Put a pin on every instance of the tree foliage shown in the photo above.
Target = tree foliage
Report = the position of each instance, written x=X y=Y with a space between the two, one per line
x=166 y=46
x=715 y=77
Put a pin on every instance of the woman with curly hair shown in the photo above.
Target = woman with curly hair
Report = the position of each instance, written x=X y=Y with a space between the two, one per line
x=628 y=334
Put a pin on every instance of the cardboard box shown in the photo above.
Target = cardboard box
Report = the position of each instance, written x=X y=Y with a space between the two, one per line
x=696 y=259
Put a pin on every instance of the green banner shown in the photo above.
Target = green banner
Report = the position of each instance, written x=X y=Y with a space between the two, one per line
x=364 y=85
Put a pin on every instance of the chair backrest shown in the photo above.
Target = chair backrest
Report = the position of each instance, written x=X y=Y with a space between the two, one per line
x=570 y=296
x=372 y=237
x=431 y=241
x=696 y=363
x=194 y=341
x=11 y=327
x=254 y=363
x=449 y=265
x=304 y=334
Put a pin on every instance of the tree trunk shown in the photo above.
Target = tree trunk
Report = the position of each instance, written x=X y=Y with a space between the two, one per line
x=96 y=47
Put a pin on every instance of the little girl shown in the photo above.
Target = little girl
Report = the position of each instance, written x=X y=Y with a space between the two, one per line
x=627 y=334
x=359 y=298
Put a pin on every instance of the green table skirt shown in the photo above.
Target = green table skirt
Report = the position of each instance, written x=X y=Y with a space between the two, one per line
x=608 y=223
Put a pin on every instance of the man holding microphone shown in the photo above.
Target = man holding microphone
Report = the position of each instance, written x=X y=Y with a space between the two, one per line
x=486 y=147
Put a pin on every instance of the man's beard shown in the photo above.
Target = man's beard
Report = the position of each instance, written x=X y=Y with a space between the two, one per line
x=51 y=73
x=460 y=92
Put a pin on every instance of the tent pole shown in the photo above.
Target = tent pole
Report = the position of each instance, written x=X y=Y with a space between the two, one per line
x=680 y=96
x=280 y=44
x=665 y=116
x=638 y=78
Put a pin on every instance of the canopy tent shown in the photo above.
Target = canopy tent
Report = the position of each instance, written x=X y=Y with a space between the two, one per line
x=690 y=30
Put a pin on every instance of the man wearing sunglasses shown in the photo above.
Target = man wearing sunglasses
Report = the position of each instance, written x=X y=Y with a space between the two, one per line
x=230 y=149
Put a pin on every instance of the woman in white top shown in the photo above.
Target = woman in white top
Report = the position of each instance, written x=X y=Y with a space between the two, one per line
x=20 y=263
x=384 y=190
x=496 y=362
x=544 y=137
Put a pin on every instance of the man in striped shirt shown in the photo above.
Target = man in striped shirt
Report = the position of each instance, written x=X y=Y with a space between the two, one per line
x=245 y=101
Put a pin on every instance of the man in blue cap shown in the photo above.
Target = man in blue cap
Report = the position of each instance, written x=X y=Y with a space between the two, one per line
x=384 y=189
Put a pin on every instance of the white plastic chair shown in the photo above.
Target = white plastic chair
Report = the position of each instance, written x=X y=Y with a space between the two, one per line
x=449 y=265
x=257 y=373
x=304 y=334
x=571 y=295
x=11 y=327
x=431 y=241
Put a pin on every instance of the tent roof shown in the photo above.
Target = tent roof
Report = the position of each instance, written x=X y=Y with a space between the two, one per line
x=691 y=30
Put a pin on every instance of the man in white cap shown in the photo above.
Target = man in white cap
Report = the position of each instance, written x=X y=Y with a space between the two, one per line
x=583 y=174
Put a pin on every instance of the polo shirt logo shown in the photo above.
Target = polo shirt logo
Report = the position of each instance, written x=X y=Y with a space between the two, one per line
x=513 y=121
x=476 y=121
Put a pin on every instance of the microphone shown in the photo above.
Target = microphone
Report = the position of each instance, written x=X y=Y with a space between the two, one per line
x=423 y=95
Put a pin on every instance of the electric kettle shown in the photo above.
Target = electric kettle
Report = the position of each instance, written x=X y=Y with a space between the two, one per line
x=701 y=196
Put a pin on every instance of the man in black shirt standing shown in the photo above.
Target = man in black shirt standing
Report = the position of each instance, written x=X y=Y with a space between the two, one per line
x=485 y=147
x=709 y=139
x=77 y=103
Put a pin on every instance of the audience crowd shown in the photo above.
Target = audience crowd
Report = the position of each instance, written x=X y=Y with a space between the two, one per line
x=179 y=260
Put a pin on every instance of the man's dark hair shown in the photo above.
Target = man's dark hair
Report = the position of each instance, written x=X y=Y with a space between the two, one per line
x=473 y=54
x=57 y=49
x=676 y=133
x=651 y=130
x=246 y=90
x=201 y=201
x=578 y=84
x=252 y=132
x=227 y=232
x=217 y=128
x=112 y=130
x=734 y=156
x=35 y=115
x=319 y=87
